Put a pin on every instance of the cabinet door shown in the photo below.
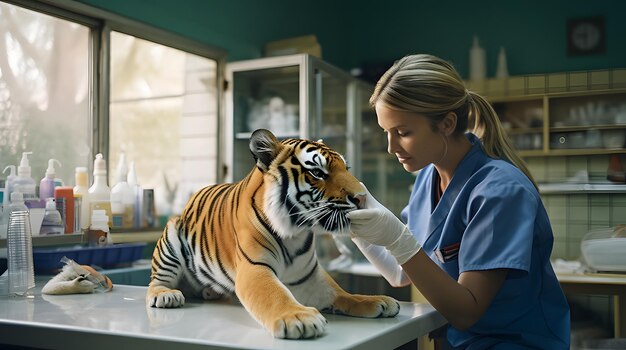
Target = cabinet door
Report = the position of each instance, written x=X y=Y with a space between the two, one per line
x=588 y=121
x=523 y=122
x=263 y=98
x=330 y=110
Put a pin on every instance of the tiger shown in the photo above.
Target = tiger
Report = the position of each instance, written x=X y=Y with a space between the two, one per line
x=256 y=238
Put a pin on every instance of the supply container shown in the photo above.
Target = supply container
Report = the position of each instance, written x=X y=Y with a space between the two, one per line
x=81 y=196
x=99 y=192
x=20 y=252
x=64 y=196
x=52 y=221
x=26 y=184
x=46 y=185
x=603 y=249
x=98 y=233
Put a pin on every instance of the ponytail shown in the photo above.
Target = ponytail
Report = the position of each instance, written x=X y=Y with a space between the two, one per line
x=487 y=127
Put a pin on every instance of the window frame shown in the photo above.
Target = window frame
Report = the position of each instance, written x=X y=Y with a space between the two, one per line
x=101 y=23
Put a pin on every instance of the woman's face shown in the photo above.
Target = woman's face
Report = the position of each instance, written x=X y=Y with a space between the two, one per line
x=410 y=138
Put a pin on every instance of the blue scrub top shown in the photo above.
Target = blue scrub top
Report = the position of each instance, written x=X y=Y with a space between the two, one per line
x=492 y=217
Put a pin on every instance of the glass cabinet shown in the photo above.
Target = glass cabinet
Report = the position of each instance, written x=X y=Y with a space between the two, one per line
x=292 y=96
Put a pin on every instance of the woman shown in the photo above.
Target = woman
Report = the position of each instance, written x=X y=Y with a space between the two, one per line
x=477 y=239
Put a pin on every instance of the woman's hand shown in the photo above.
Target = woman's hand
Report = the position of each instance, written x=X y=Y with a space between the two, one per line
x=378 y=225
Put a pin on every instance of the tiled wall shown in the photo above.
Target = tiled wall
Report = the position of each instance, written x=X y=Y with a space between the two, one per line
x=574 y=214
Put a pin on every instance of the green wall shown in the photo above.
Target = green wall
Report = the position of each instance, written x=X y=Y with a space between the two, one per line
x=354 y=32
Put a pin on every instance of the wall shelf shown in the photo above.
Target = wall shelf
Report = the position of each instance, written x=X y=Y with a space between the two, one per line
x=566 y=188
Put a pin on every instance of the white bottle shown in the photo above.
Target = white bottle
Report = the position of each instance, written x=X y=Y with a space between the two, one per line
x=47 y=185
x=81 y=194
x=8 y=185
x=25 y=183
x=122 y=198
x=99 y=192
x=98 y=233
x=52 y=221
x=478 y=63
x=502 y=70
x=137 y=195
x=19 y=247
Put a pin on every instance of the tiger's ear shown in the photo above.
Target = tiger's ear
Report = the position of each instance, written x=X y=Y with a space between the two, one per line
x=264 y=147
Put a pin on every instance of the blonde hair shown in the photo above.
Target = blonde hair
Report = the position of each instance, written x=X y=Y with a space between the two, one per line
x=430 y=86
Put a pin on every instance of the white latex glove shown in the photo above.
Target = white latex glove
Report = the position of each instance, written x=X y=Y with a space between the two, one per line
x=378 y=225
x=384 y=262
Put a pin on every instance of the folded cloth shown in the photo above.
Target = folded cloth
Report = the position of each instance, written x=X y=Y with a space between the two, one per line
x=77 y=279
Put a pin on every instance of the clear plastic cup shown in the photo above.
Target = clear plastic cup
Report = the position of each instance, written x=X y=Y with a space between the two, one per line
x=20 y=253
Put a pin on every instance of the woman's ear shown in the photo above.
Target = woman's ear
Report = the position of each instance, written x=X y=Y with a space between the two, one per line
x=448 y=124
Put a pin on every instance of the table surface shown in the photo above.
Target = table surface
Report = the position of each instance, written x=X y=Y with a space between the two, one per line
x=120 y=318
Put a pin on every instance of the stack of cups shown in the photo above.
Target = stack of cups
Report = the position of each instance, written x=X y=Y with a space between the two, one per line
x=20 y=253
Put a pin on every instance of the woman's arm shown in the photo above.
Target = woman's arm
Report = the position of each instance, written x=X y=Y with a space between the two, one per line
x=461 y=302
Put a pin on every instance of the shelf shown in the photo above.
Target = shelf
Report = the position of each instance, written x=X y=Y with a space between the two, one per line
x=51 y=240
x=565 y=188
x=570 y=152
x=77 y=238
x=246 y=135
x=587 y=127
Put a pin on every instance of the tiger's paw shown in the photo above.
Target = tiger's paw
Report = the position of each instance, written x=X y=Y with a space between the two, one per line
x=303 y=323
x=370 y=306
x=169 y=298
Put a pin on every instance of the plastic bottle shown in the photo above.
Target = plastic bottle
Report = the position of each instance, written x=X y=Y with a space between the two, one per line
x=98 y=233
x=8 y=185
x=99 y=192
x=478 y=63
x=47 y=185
x=52 y=221
x=19 y=247
x=26 y=184
x=137 y=194
x=122 y=198
x=81 y=195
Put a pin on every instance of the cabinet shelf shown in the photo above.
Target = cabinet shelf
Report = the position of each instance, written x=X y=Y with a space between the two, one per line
x=587 y=127
x=565 y=188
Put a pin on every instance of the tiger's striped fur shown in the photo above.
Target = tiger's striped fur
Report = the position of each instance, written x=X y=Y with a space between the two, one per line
x=256 y=238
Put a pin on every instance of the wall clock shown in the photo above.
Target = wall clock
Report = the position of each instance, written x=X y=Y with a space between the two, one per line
x=586 y=36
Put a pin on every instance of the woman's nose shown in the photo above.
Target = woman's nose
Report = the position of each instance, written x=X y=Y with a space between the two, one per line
x=392 y=145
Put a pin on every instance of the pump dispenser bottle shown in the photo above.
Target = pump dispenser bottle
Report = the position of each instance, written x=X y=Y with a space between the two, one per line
x=46 y=185
x=81 y=198
x=99 y=192
x=26 y=184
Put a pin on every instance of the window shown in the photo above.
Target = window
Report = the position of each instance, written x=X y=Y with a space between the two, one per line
x=163 y=117
x=44 y=91
x=158 y=102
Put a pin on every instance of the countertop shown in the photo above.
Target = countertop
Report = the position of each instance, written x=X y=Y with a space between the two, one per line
x=120 y=319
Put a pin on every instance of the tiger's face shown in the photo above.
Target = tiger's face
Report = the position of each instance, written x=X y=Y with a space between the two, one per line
x=307 y=185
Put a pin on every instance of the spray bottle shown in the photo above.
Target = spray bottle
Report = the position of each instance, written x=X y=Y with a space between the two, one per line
x=47 y=185
x=26 y=184
x=99 y=192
